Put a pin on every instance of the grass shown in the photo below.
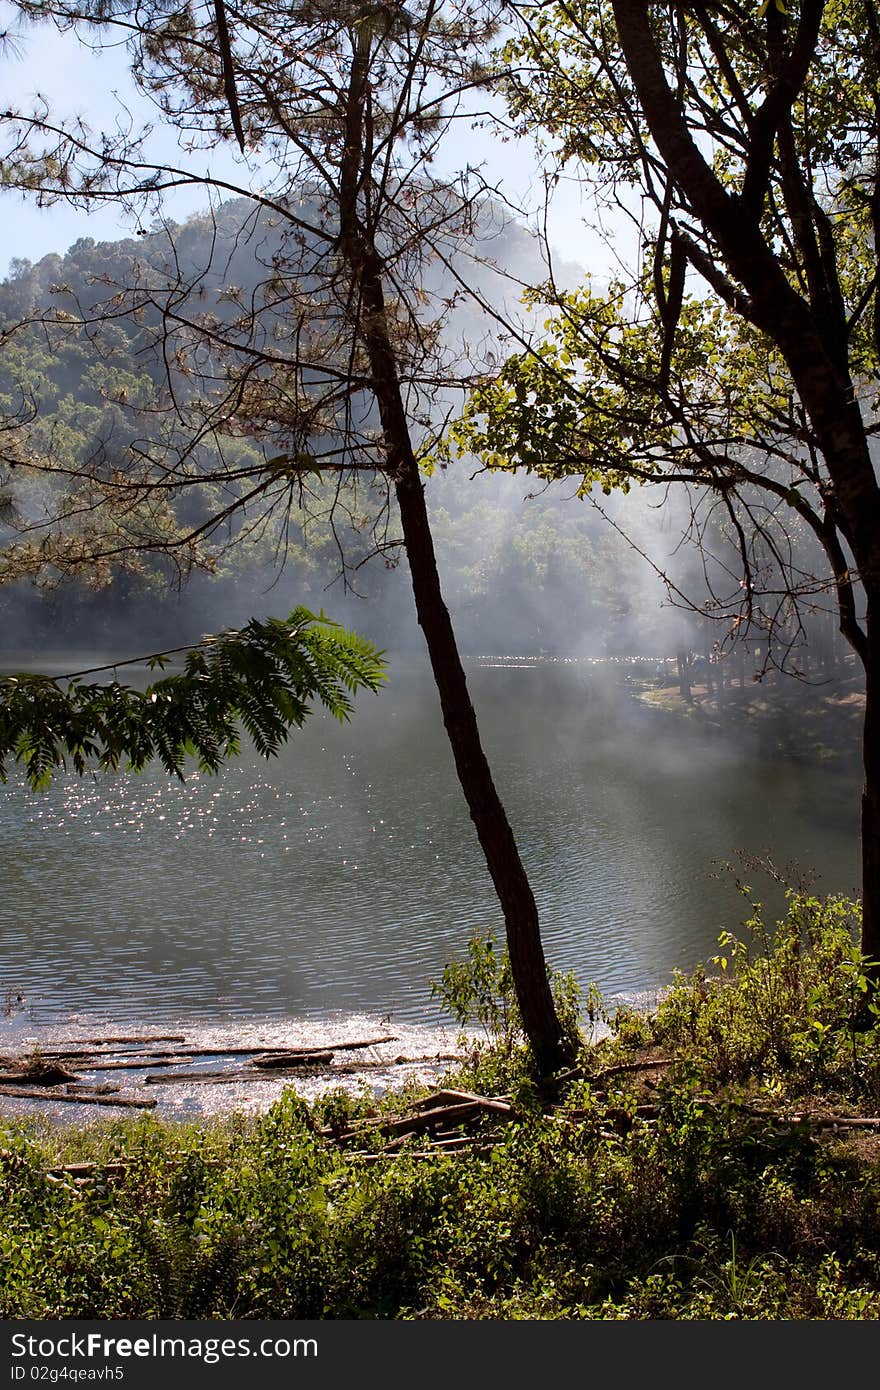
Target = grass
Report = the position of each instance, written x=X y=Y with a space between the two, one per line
x=689 y=1170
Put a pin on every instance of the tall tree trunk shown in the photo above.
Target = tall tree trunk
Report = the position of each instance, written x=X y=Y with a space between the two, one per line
x=528 y=965
x=684 y=681
x=496 y=838
x=871 y=788
x=358 y=249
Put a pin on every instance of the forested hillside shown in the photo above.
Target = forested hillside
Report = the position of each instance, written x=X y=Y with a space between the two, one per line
x=522 y=573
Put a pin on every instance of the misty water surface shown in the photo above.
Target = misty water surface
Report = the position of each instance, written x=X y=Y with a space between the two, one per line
x=345 y=874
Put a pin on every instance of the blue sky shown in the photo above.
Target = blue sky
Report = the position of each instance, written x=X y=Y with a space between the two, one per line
x=76 y=81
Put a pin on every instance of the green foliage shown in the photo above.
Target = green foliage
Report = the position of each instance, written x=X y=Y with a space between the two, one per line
x=696 y=1205
x=585 y=401
x=792 y=1009
x=480 y=990
x=705 y=1216
x=755 y=237
x=263 y=677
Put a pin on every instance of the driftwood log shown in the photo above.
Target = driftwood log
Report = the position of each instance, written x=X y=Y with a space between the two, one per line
x=225 y=1077
x=618 y=1069
x=76 y=1097
x=35 y=1072
x=81 y=1171
x=106 y=1042
x=233 y=1050
x=65 y=1063
x=442 y=1115
x=437 y=1099
x=135 y=1065
x=272 y=1061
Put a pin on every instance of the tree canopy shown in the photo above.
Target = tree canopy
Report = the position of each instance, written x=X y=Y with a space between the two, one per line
x=739 y=352
x=683 y=368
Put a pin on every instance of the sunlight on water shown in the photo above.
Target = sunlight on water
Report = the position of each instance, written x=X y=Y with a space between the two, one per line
x=345 y=874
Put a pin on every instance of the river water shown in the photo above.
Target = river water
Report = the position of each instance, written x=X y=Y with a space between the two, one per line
x=340 y=878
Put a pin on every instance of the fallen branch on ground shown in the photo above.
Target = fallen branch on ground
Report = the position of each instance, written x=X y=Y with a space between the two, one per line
x=617 y=1069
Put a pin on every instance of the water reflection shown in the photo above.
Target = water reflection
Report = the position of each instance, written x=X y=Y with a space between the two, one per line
x=344 y=875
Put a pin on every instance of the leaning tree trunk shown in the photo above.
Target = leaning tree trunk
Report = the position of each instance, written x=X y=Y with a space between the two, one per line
x=528 y=965
x=358 y=250
x=527 y=962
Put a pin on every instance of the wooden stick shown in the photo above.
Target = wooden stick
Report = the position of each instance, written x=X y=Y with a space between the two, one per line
x=235 y=1050
x=187 y=1076
x=614 y=1070
x=341 y=1047
x=451 y=1145
x=353 y=1068
x=132 y=1066
x=816 y=1121
x=846 y=1121
x=446 y=1097
x=102 y=1042
x=20 y=1093
x=429 y=1119
x=416 y=1124
x=264 y=1050
x=93 y=1058
x=85 y=1170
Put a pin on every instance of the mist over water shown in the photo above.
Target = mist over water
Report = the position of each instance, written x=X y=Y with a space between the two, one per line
x=345 y=874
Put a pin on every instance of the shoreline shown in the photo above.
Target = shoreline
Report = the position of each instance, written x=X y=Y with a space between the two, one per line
x=390 y=1056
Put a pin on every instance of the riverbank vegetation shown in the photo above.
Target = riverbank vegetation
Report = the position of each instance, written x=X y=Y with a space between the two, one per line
x=718 y=1158
x=805 y=721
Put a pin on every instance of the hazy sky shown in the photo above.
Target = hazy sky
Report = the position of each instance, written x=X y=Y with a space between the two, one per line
x=77 y=82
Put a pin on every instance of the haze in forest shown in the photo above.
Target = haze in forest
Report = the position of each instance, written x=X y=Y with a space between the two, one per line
x=526 y=568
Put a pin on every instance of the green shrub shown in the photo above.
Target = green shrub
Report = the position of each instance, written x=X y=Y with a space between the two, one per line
x=479 y=991
x=699 y=1204
x=794 y=1008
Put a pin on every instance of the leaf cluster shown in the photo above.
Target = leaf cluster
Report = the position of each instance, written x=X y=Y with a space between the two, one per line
x=792 y=1009
x=262 y=678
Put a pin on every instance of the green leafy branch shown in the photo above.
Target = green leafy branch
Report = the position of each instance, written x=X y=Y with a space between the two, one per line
x=264 y=678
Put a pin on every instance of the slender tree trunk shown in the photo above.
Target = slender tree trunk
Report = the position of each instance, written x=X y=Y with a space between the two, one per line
x=528 y=964
x=496 y=838
x=871 y=788
x=358 y=249
x=684 y=683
